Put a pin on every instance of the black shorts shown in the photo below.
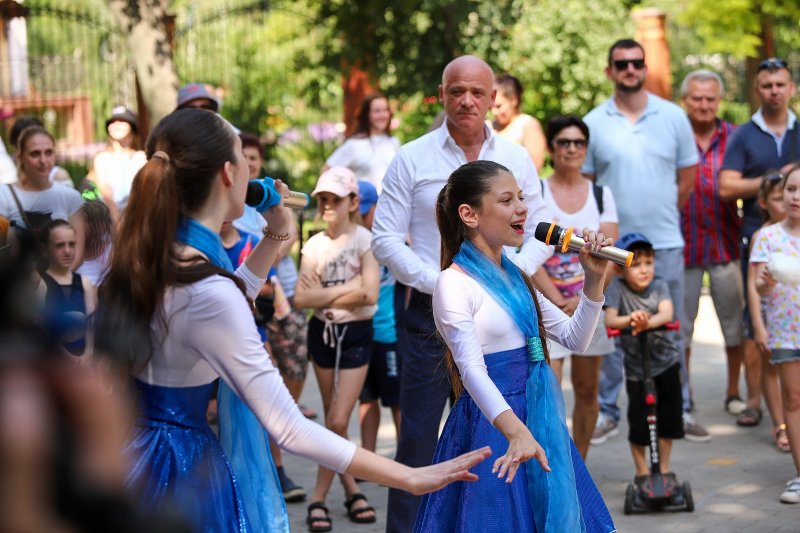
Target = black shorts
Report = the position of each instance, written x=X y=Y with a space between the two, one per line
x=383 y=376
x=356 y=344
x=669 y=407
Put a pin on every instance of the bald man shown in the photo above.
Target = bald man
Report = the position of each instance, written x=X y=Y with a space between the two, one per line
x=406 y=209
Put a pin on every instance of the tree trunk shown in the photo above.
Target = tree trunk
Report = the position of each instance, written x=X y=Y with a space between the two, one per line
x=767 y=49
x=144 y=23
x=356 y=85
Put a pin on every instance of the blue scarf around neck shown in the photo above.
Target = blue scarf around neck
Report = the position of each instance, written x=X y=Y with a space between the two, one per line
x=192 y=233
x=508 y=288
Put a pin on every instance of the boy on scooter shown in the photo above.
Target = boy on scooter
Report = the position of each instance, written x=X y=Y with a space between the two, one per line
x=638 y=300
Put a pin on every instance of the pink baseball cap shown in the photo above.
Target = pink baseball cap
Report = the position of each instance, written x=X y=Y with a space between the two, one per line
x=337 y=180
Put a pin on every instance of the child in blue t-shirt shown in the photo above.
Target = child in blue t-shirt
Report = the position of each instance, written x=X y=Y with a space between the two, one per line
x=238 y=245
x=383 y=377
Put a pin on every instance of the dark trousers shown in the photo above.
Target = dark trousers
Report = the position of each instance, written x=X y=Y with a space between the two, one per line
x=424 y=389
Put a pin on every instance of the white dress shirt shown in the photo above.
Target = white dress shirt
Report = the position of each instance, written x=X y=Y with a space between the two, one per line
x=407 y=204
x=473 y=324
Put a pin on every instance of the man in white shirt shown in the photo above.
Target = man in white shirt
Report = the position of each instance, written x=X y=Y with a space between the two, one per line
x=406 y=210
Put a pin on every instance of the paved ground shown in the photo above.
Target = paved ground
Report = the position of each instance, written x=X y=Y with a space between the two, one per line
x=736 y=478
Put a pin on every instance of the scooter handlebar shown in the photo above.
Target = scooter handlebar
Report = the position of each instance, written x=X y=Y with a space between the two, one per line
x=669 y=326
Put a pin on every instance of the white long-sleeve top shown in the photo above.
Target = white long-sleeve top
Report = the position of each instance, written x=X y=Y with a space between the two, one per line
x=210 y=333
x=407 y=204
x=473 y=324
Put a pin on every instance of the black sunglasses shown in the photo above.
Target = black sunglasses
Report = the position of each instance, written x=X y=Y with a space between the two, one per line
x=622 y=64
x=772 y=63
x=564 y=143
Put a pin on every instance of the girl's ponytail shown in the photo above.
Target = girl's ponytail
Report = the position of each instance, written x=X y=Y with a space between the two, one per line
x=186 y=151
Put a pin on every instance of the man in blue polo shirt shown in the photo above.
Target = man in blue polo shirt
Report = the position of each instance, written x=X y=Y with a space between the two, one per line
x=643 y=149
x=765 y=144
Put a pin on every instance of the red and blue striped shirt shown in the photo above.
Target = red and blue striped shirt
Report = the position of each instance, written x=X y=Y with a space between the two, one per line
x=711 y=226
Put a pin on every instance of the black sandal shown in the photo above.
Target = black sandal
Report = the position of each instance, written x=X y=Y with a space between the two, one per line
x=326 y=525
x=749 y=417
x=354 y=514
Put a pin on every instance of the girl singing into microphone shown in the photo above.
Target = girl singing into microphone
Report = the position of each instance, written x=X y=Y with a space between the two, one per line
x=493 y=323
x=176 y=317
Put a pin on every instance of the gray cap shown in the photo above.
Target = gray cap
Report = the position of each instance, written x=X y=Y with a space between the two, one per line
x=195 y=91
x=121 y=113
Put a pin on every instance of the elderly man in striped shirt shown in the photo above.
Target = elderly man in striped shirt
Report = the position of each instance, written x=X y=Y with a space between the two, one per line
x=711 y=229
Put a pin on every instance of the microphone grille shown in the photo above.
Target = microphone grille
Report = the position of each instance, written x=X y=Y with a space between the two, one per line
x=255 y=193
x=545 y=231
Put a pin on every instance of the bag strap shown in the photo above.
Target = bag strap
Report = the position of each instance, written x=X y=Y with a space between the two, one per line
x=598 y=196
x=22 y=213
x=597 y=190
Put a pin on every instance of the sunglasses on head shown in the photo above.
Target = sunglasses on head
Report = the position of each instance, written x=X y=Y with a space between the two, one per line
x=772 y=63
x=565 y=143
x=622 y=64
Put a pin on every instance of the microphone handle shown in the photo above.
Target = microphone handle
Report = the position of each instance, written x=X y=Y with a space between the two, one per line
x=568 y=240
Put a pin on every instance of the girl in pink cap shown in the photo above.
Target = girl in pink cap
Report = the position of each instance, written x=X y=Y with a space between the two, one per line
x=339 y=278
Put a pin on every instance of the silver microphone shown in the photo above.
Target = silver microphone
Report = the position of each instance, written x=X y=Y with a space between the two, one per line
x=551 y=234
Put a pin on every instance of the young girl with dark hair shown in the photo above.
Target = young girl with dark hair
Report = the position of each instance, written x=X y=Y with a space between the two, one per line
x=494 y=323
x=172 y=313
x=70 y=297
x=776 y=259
x=99 y=234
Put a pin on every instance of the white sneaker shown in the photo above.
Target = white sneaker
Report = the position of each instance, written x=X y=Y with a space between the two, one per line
x=791 y=494
x=692 y=431
x=605 y=428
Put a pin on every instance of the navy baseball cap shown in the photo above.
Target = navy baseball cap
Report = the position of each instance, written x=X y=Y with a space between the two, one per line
x=629 y=241
x=367 y=195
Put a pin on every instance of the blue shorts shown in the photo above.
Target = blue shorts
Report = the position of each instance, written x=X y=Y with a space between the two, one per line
x=784 y=355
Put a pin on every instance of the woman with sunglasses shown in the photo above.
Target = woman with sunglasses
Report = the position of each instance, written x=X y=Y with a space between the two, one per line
x=578 y=203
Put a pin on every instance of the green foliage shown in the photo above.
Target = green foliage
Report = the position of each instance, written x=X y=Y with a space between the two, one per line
x=737 y=29
x=558 y=50
x=405 y=44
x=268 y=63
x=75 y=49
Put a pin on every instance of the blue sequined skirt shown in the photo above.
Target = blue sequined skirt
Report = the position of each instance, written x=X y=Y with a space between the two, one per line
x=564 y=500
x=177 y=463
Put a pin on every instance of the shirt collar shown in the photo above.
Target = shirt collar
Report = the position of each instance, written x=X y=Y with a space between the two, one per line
x=652 y=106
x=443 y=135
x=715 y=137
x=758 y=120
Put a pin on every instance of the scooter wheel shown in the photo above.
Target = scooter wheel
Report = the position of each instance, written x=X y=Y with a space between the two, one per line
x=687 y=496
x=630 y=495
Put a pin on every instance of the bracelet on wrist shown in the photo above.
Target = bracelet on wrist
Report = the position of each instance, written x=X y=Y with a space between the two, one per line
x=269 y=235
